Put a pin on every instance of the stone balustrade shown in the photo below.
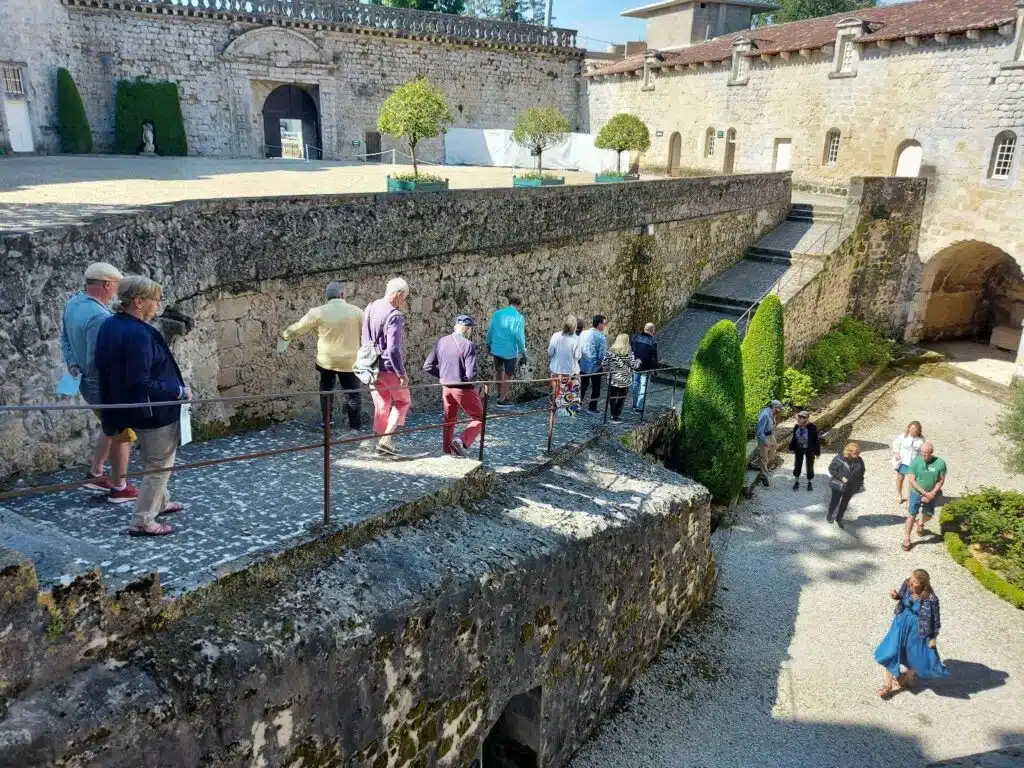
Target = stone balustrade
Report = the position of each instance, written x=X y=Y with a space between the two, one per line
x=399 y=21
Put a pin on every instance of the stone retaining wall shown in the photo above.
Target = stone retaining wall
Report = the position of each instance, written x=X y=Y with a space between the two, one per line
x=240 y=270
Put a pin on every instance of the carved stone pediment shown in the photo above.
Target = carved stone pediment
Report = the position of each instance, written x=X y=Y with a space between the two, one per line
x=276 y=47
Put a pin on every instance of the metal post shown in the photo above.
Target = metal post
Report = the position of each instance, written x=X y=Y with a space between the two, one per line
x=607 y=397
x=483 y=426
x=551 y=420
x=328 y=412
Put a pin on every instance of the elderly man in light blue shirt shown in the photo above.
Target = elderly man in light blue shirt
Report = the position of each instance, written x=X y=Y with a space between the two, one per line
x=594 y=347
x=506 y=338
x=765 y=439
x=84 y=313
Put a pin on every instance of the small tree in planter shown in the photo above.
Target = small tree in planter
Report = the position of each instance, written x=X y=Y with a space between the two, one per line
x=415 y=111
x=624 y=133
x=540 y=128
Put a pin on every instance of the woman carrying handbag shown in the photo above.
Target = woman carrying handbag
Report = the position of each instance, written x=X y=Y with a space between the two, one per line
x=847 y=475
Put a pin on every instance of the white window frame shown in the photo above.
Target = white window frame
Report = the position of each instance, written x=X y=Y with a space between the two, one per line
x=846 y=57
x=709 y=142
x=740 y=72
x=1004 y=156
x=833 y=144
x=14 y=80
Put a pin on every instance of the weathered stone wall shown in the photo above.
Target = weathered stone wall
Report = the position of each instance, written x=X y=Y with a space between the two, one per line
x=402 y=652
x=871 y=275
x=225 y=69
x=953 y=99
x=241 y=270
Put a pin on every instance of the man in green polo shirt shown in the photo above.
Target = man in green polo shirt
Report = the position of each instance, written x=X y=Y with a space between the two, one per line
x=927 y=475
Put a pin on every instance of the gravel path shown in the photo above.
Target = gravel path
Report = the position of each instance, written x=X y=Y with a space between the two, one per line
x=781 y=672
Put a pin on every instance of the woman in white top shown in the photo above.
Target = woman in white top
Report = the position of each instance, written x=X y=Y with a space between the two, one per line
x=905 y=448
x=564 y=352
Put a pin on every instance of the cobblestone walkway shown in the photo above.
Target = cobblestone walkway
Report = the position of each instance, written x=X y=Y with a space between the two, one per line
x=781 y=673
x=239 y=512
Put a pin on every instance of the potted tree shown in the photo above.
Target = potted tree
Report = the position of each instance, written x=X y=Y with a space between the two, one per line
x=622 y=133
x=538 y=129
x=415 y=111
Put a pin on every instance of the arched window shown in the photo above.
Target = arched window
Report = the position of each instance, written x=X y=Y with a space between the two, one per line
x=831 y=148
x=1003 y=152
x=709 y=143
x=908 y=159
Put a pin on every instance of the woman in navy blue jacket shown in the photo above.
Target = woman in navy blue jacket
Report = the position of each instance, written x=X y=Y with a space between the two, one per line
x=136 y=366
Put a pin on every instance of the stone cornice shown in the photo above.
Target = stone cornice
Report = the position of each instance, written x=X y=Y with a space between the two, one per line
x=356 y=18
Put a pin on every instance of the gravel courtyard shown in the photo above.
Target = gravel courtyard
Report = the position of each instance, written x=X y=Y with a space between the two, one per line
x=781 y=673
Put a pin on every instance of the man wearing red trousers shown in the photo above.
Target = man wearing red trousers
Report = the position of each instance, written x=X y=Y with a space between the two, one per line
x=453 y=361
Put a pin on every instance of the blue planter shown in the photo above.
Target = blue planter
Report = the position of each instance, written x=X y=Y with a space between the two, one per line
x=400 y=185
x=519 y=181
x=606 y=179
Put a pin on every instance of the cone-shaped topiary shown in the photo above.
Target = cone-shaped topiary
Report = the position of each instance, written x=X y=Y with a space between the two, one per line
x=75 y=133
x=714 y=431
x=764 y=351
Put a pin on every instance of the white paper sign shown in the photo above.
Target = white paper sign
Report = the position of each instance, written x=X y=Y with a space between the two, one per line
x=186 y=424
x=282 y=346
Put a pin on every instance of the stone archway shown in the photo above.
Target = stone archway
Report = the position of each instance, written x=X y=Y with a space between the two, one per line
x=291 y=124
x=675 y=151
x=966 y=291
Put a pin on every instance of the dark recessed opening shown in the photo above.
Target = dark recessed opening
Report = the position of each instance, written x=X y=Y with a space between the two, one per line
x=514 y=741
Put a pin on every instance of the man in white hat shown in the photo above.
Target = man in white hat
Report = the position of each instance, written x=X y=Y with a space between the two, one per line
x=84 y=313
x=766 y=440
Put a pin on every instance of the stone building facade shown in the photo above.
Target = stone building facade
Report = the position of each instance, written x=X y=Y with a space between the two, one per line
x=228 y=60
x=933 y=88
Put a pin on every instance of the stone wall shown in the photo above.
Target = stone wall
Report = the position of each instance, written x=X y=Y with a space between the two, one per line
x=225 y=69
x=871 y=275
x=401 y=652
x=241 y=270
x=952 y=99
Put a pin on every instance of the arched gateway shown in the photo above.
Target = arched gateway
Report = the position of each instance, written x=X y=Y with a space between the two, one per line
x=291 y=124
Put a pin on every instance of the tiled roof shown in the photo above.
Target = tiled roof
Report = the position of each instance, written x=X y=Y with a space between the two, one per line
x=891 y=22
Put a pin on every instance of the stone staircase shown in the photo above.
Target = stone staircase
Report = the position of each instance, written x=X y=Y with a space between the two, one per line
x=788 y=257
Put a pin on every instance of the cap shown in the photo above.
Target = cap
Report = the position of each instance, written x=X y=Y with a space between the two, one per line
x=465 y=320
x=776 y=404
x=803 y=414
x=103 y=271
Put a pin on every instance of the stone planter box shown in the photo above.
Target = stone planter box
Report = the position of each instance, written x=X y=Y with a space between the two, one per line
x=400 y=185
x=601 y=178
x=519 y=181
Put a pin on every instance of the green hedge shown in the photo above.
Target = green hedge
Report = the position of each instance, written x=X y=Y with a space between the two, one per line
x=764 y=353
x=139 y=101
x=75 y=133
x=714 y=428
x=797 y=388
x=850 y=345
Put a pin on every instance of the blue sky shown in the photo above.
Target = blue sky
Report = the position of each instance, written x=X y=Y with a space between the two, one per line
x=599 y=20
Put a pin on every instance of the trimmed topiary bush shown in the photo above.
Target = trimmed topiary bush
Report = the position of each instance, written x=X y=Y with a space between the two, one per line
x=139 y=101
x=75 y=133
x=764 y=351
x=714 y=427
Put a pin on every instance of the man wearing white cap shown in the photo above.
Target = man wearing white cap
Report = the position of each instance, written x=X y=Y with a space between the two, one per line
x=84 y=313
x=766 y=440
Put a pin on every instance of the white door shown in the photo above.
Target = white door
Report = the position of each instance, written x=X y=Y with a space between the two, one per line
x=783 y=155
x=19 y=127
x=909 y=163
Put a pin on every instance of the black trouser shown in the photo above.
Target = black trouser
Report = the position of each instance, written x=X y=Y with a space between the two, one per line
x=799 y=459
x=594 y=381
x=617 y=399
x=353 y=399
x=838 y=504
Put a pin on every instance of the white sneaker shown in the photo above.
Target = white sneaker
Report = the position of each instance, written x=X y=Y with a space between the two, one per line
x=457 y=446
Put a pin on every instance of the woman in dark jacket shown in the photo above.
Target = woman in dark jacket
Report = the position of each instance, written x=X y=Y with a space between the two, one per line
x=847 y=471
x=805 y=448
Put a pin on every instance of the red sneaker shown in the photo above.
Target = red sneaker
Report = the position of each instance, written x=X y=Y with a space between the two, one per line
x=124 y=495
x=101 y=483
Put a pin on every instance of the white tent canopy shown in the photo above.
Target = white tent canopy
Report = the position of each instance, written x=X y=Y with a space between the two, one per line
x=494 y=146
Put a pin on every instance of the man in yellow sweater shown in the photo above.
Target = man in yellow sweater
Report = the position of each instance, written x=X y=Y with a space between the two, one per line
x=338 y=325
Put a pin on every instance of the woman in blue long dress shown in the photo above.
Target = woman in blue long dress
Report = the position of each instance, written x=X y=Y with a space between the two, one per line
x=912 y=636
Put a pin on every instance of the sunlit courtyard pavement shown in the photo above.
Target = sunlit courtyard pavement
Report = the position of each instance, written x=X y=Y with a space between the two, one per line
x=45 y=191
x=781 y=672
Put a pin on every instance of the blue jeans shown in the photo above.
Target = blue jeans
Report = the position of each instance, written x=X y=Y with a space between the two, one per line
x=639 y=390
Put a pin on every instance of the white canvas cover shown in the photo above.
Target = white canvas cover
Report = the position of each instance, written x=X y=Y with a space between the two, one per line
x=494 y=146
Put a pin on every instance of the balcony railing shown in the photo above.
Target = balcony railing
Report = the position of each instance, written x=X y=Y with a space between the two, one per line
x=400 y=21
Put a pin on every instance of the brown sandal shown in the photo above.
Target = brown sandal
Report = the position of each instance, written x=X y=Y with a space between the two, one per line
x=170 y=509
x=906 y=545
x=157 y=529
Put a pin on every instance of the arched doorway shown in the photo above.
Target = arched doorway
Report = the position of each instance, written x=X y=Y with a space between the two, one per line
x=730 y=151
x=966 y=291
x=675 y=151
x=291 y=124
x=908 y=159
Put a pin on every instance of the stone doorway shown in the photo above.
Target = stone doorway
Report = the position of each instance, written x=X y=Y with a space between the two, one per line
x=730 y=151
x=675 y=151
x=291 y=124
x=514 y=741
x=970 y=290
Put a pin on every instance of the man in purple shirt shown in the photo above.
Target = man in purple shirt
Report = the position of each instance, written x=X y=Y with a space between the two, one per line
x=453 y=361
x=383 y=325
